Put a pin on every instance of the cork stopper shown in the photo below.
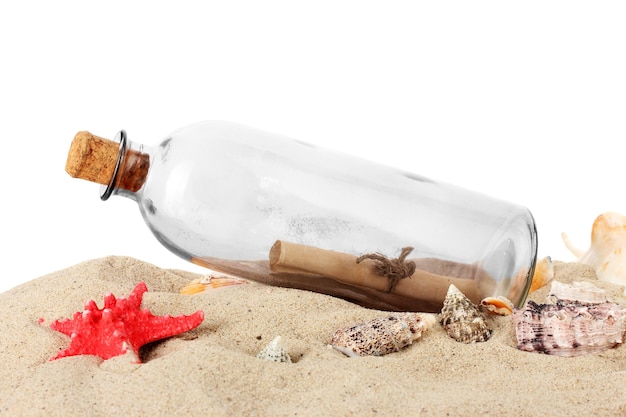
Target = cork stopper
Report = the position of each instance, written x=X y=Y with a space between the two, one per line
x=93 y=158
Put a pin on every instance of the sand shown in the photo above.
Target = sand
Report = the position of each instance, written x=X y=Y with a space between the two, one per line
x=212 y=370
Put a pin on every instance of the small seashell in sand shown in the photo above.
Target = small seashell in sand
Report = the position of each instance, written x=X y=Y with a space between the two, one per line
x=382 y=335
x=607 y=253
x=274 y=352
x=210 y=282
x=462 y=320
x=497 y=305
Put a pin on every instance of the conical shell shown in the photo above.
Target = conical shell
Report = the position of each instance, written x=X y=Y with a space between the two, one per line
x=274 y=352
x=462 y=320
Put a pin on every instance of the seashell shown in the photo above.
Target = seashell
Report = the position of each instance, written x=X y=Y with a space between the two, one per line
x=569 y=329
x=462 y=320
x=274 y=352
x=382 y=335
x=581 y=292
x=498 y=305
x=543 y=275
x=210 y=282
x=607 y=253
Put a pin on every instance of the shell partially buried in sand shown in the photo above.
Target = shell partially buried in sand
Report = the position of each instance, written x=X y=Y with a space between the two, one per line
x=578 y=321
x=382 y=335
x=211 y=282
x=607 y=253
x=274 y=352
x=462 y=319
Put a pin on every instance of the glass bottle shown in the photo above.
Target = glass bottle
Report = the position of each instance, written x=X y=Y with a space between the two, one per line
x=283 y=212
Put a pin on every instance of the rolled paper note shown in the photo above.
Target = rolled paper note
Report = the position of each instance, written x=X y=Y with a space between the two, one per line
x=287 y=257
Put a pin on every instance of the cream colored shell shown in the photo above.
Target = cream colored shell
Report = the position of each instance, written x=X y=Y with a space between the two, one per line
x=607 y=253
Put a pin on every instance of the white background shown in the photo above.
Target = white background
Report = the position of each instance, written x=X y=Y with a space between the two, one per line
x=525 y=101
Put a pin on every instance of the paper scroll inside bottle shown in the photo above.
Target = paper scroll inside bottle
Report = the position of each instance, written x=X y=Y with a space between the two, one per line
x=294 y=258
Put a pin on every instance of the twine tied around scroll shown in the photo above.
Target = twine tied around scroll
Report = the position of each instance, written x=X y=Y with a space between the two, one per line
x=394 y=269
x=288 y=260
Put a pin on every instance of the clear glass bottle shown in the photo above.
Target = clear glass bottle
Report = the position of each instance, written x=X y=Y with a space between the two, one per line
x=235 y=199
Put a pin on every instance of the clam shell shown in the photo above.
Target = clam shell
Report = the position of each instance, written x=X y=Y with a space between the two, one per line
x=607 y=253
x=569 y=329
x=382 y=335
x=463 y=320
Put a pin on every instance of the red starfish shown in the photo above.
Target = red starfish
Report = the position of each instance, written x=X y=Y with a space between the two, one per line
x=119 y=326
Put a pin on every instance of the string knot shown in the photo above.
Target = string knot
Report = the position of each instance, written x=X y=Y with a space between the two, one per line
x=394 y=269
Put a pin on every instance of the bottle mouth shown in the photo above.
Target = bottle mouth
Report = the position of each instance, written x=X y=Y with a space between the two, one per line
x=107 y=190
x=512 y=258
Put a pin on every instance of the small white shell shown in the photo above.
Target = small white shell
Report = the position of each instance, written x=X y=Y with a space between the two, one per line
x=607 y=253
x=462 y=320
x=274 y=352
x=582 y=292
x=382 y=335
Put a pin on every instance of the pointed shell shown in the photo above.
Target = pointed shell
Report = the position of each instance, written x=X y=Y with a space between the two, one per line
x=462 y=320
x=382 y=335
x=607 y=253
x=274 y=352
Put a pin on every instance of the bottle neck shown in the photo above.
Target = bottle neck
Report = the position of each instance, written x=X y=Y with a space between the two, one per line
x=131 y=169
